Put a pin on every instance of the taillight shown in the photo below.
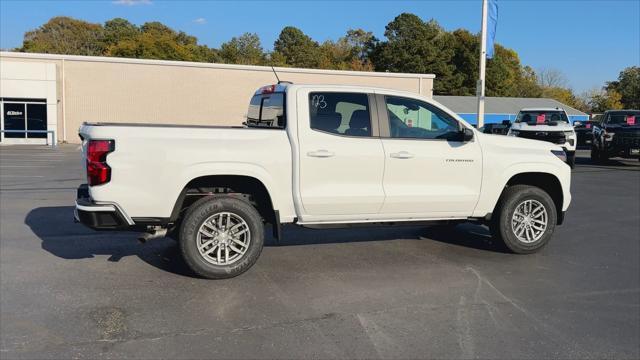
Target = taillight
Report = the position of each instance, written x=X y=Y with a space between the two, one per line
x=98 y=172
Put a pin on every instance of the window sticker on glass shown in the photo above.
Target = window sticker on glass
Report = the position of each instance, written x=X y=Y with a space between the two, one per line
x=540 y=119
x=631 y=120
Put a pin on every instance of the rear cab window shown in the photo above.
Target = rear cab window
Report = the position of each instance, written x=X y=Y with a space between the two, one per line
x=267 y=110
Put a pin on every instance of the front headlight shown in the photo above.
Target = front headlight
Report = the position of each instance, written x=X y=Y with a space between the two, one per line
x=570 y=134
x=608 y=136
x=513 y=133
x=560 y=154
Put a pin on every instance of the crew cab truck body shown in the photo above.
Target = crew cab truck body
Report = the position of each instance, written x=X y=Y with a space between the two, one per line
x=547 y=124
x=616 y=135
x=317 y=156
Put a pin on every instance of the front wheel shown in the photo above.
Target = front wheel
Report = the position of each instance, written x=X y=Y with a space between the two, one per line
x=524 y=219
x=221 y=237
x=571 y=159
x=595 y=155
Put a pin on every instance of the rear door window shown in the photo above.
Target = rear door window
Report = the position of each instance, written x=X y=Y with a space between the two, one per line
x=340 y=113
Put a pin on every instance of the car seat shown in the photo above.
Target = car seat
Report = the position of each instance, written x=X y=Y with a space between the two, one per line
x=359 y=125
x=329 y=122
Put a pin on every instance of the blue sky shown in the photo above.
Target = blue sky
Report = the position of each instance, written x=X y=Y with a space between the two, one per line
x=589 y=41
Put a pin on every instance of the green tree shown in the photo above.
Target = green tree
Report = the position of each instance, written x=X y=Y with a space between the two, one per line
x=505 y=74
x=158 y=41
x=465 y=59
x=119 y=29
x=361 y=43
x=275 y=58
x=245 y=50
x=528 y=86
x=334 y=55
x=628 y=86
x=65 y=35
x=603 y=100
x=350 y=52
x=415 y=46
x=298 y=49
x=565 y=96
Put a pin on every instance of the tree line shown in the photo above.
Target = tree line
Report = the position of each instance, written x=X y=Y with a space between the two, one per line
x=411 y=45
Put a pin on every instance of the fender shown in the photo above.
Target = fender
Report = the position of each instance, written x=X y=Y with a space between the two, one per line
x=490 y=195
x=281 y=200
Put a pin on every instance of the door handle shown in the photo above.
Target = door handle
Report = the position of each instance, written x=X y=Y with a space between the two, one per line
x=401 y=155
x=320 y=153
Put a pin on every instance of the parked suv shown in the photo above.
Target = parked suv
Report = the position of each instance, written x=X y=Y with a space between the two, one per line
x=317 y=156
x=584 y=133
x=497 y=128
x=618 y=135
x=547 y=124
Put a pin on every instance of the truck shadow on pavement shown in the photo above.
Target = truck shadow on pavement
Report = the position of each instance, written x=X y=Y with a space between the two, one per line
x=65 y=239
x=610 y=164
x=463 y=235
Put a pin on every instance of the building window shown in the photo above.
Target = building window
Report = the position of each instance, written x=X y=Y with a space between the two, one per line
x=24 y=114
x=14 y=119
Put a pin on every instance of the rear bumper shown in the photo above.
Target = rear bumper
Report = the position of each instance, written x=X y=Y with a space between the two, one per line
x=98 y=216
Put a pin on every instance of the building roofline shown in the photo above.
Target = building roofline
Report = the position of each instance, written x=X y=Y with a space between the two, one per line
x=106 y=59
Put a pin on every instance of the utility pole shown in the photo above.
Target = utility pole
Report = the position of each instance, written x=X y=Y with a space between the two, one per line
x=483 y=65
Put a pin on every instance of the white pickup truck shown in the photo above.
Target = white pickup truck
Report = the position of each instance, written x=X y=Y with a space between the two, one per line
x=317 y=156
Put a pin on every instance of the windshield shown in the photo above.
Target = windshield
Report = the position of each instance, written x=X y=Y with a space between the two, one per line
x=542 y=117
x=628 y=118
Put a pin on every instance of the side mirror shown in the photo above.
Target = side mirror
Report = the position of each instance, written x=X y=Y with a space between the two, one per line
x=466 y=134
x=506 y=122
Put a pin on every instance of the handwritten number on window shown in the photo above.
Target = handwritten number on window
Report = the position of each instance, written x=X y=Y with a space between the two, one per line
x=318 y=101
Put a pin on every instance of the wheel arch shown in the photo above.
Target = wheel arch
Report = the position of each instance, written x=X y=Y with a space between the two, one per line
x=247 y=187
x=548 y=182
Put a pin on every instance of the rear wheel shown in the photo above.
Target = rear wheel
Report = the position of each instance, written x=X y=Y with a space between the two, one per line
x=221 y=237
x=525 y=219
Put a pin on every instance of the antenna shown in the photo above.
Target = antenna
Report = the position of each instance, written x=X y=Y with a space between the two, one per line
x=275 y=73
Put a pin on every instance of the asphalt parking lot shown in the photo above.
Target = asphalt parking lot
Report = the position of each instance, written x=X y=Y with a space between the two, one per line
x=405 y=292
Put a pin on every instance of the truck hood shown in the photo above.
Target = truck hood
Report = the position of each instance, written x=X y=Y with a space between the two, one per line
x=561 y=126
x=516 y=142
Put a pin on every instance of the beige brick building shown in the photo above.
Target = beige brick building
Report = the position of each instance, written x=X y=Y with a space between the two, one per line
x=59 y=92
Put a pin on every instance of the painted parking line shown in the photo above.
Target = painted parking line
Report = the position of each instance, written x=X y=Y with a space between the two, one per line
x=32 y=160
x=31 y=154
x=25 y=166
x=21 y=176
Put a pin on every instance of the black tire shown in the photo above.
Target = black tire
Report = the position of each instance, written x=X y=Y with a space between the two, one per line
x=595 y=154
x=203 y=209
x=571 y=160
x=500 y=225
